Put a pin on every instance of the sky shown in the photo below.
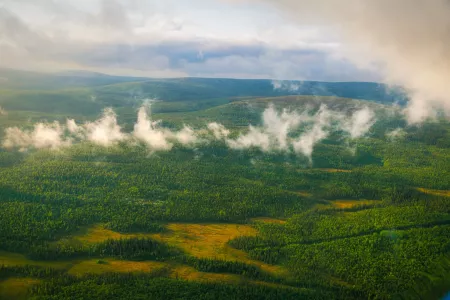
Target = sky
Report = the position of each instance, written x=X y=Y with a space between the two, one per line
x=402 y=42
x=171 y=38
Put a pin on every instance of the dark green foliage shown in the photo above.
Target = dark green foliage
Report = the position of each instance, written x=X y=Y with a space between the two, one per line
x=134 y=249
x=384 y=250
x=115 y=286
x=233 y=267
x=128 y=249
x=28 y=271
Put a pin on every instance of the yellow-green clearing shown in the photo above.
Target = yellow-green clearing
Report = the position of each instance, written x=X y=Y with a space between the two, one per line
x=444 y=193
x=210 y=241
x=199 y=240
x=110 y=265
x=16 y=288
x=268 y=220
x=98 y=234
x=343 y=204
x=14 y=259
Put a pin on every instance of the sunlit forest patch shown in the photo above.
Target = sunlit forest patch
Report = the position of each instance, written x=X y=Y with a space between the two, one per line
x=268 y=220
x=210 y=241
x=98 y=233
x=108 y=265
x=330 y=170
x=15 y=259
x=352 y=203
x=190 y=273
x=206 y=240
x=445 y=193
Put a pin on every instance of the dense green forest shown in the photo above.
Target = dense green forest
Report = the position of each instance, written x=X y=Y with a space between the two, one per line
x=365 y=219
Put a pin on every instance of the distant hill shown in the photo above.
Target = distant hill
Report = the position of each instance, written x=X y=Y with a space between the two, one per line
x=16 y=79
x=186 y=89
x=192 y=89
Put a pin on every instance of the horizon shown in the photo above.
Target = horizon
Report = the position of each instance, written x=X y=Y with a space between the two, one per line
x=61 y=72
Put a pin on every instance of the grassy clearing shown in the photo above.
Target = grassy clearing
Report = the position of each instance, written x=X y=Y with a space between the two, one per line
x=268 y=220
x=16 y=288
x=346 y=204
x=14 y=259
x=109 y=265
x=352 y=203
x=435 y=192
x=199 y=240
x=304 y=193
x=210 y=241
x=335 y=170
x=176 y=271
x=206 y=240
x=191 y=274
x=98 y=234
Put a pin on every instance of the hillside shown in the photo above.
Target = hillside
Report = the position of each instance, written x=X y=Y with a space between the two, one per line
x=126 y=208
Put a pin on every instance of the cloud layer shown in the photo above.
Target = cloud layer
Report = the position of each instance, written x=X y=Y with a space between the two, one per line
x=149 y=38
x=407 y=40
x=280 y=131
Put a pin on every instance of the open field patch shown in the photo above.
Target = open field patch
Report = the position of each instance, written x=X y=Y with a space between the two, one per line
x=191 y=274
x=268 y=220
x=304 y=193
x=98 y=234
x=14 y=259
x=346 y=204
x=97 y=266
x=16 y=288
x=444 y=193
x=206 y=240
x=210 y=241
x=352 y=203
x=335 y=170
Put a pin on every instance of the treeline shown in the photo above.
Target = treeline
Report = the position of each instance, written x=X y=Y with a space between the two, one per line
x=148 y=286
x=233 y=267
x=385 y=265
x=129 y=249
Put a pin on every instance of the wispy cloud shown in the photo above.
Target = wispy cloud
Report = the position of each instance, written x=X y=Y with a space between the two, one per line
x=3 y=112
x=407 y=41
x=280 y=131
x=146 y=38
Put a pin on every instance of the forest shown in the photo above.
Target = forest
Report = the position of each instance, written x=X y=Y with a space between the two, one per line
x=367 y=218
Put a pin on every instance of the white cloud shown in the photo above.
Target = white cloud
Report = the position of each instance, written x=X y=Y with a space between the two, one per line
x=396 y=134
x=147 y=131
x=360 y=122
x=283 y=85
x=166 y=40
x=218 y=130
x=406 y=40
x=255 y=137
x=186 y=136
x=273 y=135
x=105 y=131
x=277 y=128
x=320 y=130
x=278 y=132
x=43 y=136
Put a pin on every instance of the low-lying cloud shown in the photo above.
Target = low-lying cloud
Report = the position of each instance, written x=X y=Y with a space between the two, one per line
x=42 y=136
x=301 y=131
x=103 y=132
x=406 y=40
x=280 y=131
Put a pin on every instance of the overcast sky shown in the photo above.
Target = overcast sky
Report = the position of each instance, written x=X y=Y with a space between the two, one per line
x=170 y=38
